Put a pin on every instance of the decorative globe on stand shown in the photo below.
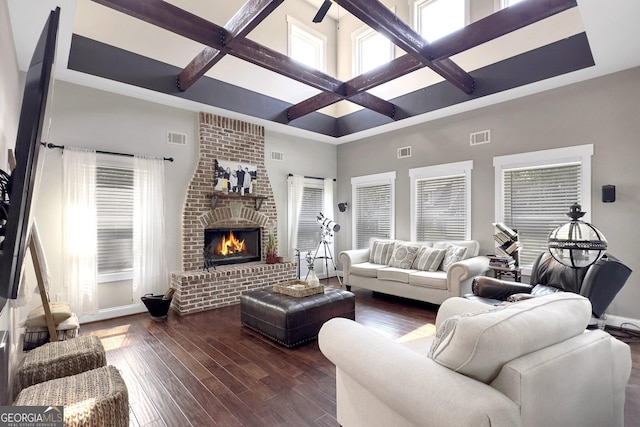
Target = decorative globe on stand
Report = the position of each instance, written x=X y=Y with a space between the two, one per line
x=577 y=243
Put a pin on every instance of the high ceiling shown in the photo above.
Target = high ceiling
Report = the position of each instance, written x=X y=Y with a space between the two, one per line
x=158 y=50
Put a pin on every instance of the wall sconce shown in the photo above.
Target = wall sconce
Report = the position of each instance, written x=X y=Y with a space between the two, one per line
x=608 y=193
x=343 y=207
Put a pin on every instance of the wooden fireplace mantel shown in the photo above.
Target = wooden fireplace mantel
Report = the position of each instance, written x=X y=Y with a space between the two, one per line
x=217 y=195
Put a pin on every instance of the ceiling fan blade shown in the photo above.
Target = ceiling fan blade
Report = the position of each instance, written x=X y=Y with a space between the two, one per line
x=322 y=11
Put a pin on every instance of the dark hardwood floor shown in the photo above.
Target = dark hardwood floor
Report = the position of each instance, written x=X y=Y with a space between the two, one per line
x=206 y=369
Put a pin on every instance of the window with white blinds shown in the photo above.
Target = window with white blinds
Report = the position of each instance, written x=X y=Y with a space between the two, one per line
x=535 y=190
x=309 y=231
x=536 y=202
x=114 y=199
x=441 y=209
x=441 y=202
x=373 y=211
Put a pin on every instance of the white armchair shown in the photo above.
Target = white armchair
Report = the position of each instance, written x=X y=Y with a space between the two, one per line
x=526 y=364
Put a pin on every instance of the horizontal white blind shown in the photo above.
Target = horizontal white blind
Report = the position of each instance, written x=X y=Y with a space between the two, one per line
x=309 y=231
x=536 y=202
x=373 y=213
x=114 y=198
x=441 y=208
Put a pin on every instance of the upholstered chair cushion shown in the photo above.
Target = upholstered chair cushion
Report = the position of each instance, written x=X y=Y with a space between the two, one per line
x=479 y=344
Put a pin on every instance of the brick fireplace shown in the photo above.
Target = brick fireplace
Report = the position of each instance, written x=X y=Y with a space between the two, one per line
x=198 y=289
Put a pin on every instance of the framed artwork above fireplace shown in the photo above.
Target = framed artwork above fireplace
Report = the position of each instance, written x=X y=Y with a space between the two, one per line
x=235 y=177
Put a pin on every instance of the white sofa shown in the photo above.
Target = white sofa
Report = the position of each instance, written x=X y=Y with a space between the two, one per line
x=360 y=270
x=528 y=364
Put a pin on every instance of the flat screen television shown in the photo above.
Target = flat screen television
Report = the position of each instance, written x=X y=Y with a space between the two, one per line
x=16 y=228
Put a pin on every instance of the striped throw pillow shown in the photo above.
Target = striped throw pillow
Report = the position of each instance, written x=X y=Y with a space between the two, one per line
x=428 y=259
x=381 y=252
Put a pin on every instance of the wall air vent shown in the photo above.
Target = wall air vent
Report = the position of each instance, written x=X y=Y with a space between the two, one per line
x=477 y=138
x=404 y=152
x=277 y=156
x=176 y=138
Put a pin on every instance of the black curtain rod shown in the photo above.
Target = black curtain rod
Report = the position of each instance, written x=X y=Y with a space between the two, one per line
x=311 y=177
x=50 y=145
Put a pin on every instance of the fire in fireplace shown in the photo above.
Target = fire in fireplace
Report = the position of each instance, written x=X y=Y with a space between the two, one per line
x=231 y=246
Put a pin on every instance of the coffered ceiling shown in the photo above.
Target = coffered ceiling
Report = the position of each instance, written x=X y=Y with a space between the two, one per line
x=230 y=58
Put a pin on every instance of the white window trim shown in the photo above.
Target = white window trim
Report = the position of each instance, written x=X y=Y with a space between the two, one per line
x=557 y=156
x=291 y=21
x=369 y=180
x=500 y=4
x=441 y=171
x=358 y=35
x=415 y=4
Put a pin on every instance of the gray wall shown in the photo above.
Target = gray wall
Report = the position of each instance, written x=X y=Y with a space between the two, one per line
x=602 y=112
x=301 y=157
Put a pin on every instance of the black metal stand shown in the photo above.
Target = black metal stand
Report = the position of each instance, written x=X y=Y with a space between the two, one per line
x=327 y=256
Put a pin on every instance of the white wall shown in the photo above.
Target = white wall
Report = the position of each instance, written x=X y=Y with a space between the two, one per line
x=89 y=118
x=602 y=112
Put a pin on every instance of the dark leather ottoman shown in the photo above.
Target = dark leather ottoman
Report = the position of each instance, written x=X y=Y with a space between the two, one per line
x=291 y=321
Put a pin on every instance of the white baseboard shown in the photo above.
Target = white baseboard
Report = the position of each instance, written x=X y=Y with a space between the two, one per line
x=623 y=322
x=110 y=313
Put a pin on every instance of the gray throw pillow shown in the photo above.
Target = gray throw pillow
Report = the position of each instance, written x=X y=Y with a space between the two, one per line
x=403 y=256
x=453 y=255
x=428 y=259
x=381 y=252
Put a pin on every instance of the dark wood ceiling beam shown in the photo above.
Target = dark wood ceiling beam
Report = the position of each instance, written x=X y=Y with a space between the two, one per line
x=325 y=99
x=395 y=68
x=312 y=104
x=374 y=103
x=491 y=27
x=497 y=25
x=272 y=60
x=252 y=13
x=186 y=24
x=381 y=19
x=356 y=86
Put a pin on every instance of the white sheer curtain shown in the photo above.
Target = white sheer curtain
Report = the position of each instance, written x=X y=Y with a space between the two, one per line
x=296 y=188
x=149 y=264
x=80 y=230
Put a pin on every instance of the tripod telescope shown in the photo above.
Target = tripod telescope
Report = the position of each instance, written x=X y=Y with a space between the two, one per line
x=328 y=228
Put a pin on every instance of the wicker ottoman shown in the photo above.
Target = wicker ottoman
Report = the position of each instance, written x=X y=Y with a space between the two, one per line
x=291 y=321
x=95 y=398
x=60 y=359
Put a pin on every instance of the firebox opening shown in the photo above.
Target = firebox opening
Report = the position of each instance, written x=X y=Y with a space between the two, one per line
x=231 y=245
